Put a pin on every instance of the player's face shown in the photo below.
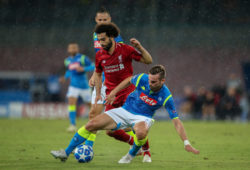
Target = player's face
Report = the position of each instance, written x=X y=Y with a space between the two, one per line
x=73 y=49
x=155 y=83
x=102 y=18
x=105 y=41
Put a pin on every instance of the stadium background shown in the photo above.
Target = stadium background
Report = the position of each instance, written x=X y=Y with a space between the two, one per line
x=201 y=43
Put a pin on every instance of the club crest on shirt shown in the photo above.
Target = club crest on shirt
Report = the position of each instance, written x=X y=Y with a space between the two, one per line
x=97 y=44
x=148 y=100
x=120 y=58
x=73 y=66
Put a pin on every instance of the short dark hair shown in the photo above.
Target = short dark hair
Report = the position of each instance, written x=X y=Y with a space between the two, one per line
x=158 y=69
x=110 y=29
x=103 y=10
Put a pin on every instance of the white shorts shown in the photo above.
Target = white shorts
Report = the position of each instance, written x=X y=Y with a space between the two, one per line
x=85 y=94
x=125 y=119
x=103 y=94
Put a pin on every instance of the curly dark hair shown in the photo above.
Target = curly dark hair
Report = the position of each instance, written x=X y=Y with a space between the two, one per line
x=110 y=29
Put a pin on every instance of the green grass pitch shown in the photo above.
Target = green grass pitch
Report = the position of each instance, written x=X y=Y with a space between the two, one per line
x=25 y=144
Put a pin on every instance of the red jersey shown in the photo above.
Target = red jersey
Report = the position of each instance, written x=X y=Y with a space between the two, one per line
x=117 y=67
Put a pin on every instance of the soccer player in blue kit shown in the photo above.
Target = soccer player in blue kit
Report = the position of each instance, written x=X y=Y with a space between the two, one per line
x=150 y=94
x=77 y=66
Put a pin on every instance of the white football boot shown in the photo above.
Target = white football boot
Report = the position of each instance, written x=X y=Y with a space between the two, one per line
x=61 y=154
x=126 y=159
x=72 y=128
x=146 y=159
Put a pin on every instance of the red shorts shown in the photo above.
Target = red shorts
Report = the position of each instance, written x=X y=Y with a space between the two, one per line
x=120 y=97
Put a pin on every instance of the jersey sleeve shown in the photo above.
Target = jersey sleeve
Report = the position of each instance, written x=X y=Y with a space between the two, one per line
x=67 y=74
x=137 y=79
x=98 y=67
x=88 y=65
x=66 y=63
x=119 y=39
x=169 y=106
x=134 y=54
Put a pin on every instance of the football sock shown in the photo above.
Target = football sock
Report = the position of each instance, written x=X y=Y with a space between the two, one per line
x=121 y=135
x=146 y=149
x=72 y=114
x=78 y=138
x=137 y=145
x=91 y=139
x=131 y=133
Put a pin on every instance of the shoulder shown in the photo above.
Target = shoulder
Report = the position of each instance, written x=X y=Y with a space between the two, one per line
x=141 y=78
x=67 y=61
x=166 y=94
x=94 y=36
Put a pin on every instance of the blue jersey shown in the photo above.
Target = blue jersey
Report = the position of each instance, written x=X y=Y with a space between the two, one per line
x=98 y=46
x=78 y=79
x=142 y=101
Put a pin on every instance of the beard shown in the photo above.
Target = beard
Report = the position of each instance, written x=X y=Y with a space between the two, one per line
x=108 y=46
x=155 y=89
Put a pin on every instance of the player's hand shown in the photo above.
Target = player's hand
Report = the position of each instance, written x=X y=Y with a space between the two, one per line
x=189 y=148
x=97 y=98
x=135 y=43
x=92 y=82
x=62 y=80
x=110 y=98
x=80 y=69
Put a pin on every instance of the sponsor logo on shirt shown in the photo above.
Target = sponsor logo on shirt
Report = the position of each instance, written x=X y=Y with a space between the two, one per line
x=114 y=68
x=73 y=66
x=148 y=100
x=97 y=44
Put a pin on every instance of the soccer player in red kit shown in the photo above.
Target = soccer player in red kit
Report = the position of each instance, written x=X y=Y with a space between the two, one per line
x=115 y=60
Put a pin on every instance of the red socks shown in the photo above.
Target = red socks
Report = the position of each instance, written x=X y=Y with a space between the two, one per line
x=146 y=149
x=121 y=135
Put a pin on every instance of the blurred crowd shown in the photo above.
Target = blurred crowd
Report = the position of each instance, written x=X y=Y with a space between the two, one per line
x=221 y=102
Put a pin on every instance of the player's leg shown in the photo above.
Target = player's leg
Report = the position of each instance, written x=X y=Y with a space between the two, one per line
x=120 y=135
x=72 y=102
x=140 y=138
x=101 y=122
x=72 y=96
x=95 y=111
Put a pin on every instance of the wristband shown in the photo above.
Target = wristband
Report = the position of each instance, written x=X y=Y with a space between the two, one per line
x=186 y=142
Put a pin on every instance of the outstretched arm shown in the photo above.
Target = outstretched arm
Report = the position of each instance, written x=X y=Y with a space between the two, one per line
x=111 y=97
x=181 y=131
x=146 y=57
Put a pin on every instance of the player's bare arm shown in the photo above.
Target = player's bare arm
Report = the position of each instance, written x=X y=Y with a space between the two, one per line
x=146 y=57
x=98 y=85
x=92 y=80
x=111 y=97
x=62 y=79
x=181 y=131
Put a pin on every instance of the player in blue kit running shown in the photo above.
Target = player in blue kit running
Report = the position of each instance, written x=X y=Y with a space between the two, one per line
x=77 y=66
x=150 y=94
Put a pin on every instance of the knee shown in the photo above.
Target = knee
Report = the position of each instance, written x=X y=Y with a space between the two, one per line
x=91 y=114
x=91 y=125
x=141 y=134
x=109 y=133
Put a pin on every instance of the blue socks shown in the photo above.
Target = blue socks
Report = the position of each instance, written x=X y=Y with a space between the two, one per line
x=134 y=150
x=72 y=114
x=75 y=141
